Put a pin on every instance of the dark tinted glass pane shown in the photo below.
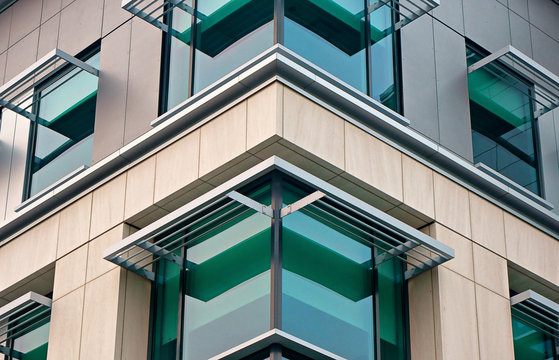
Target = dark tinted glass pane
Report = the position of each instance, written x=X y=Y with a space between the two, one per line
x=331 y=34
x=327 y=287
x=503 y=124
x=64 y=134
x=530 y=343
x=228 y=282
x=228 y=34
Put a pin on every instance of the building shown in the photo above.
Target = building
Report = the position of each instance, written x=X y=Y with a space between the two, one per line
x=282 y=179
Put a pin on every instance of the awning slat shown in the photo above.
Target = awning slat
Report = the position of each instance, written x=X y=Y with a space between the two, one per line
x=23 y=313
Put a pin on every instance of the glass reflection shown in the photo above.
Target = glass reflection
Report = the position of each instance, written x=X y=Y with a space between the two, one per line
x=531 y=343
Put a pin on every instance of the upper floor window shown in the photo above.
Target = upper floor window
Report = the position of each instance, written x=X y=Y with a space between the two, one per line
x=62 y=133
x=281 y=261
x=353 y=40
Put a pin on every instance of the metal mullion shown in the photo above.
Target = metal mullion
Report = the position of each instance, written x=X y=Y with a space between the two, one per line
x=182 y=303
x=279 y=21
x=276 y=255
x=193 y=44
x=368 y=52
x=376 y=307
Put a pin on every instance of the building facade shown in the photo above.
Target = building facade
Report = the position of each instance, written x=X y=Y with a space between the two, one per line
x=279 y=179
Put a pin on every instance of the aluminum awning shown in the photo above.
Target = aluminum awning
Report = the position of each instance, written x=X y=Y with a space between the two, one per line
x=546 y=84
x=538 y=311
x=391 y=237
x=18 y=95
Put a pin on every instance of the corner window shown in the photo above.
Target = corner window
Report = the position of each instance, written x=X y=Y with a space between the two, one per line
x=504 y=132
x=62 y=133
x=24 y=328
x=278 y=265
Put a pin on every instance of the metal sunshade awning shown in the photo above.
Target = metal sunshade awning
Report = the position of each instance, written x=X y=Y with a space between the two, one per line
x=546 y=84
x=23 y=313
x=18 y=95
x=364 y=223
x=407 y=10
x=537 y=310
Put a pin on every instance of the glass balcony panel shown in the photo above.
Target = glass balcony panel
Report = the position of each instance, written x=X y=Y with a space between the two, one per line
x=228 y=34
x=327 y=287
x=331 y=34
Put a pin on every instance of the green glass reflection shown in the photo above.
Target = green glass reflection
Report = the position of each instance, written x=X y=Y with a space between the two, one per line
x=179 y=57
x=228 y=34
x=327 y=287
x=331 y=34
x=503 y=130
x=530 y=343
x=32 y=343
x=391 y=310
x=382 y=58
x=227 y=283
x=64 y=128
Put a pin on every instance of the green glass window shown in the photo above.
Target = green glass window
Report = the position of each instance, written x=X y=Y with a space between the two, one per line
x=340 y=36
x=235 y=285
x=62 y=135
x=30 y=340
x=530 y=341
x=503 y=124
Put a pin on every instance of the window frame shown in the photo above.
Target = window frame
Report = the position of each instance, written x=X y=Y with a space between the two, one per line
x=84 y=55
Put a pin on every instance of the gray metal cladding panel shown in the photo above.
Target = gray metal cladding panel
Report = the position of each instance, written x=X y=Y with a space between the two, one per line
x=549 y=159
x=520 y=7
x=451 y=13
x=419 y=79
x=487 y=23
x=111 y=95
x=7 y=131
x=520 y=34
x=546 y=50
x=452 y=92
x=544 y=14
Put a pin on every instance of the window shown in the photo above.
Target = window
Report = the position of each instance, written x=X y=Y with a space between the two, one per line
x=24 y=328
x=278 y=262
x=354 y=40
x=504 y=131
x=62 y=133
x=535 y=327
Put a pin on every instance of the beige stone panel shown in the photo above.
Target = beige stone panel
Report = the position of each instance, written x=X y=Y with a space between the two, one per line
x=143 y=82
x=457 y=307
x=70 y=272
x=373 y=162
x=111 y=95
x=96 y=265
x=289 y=154
x=494 y=325
x=3 y=58
x=140 y=182
x=313 y=128
x=490 y=270
x=532 y=249
x=418 y=186
x=488 y=228
x=264 y=117
x=50 y=7
x=463 y=257
x=5 y=23
x=48 y=36
x=74 y=225
x=452 y=206
x=66 y=326
x=80 y=25
x=21 y=55
x=101 y=338
x=108 y=205
x=223 y=139
x=177 y=165
x=422 y=318
x=135 y=333
x=29 y=253
x=26 y=17
x=113 y=15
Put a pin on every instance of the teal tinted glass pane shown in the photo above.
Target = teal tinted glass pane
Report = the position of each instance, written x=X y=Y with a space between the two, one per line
x=530 y=343
x=64 y=133
x=227 y=283
x=382 y=57
x=327 y=287
x=179 y=57
x=503 y=124
x=230 y=33
x=391 y=310
x=331 y=34
x=32 y=342
x=166 y=310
